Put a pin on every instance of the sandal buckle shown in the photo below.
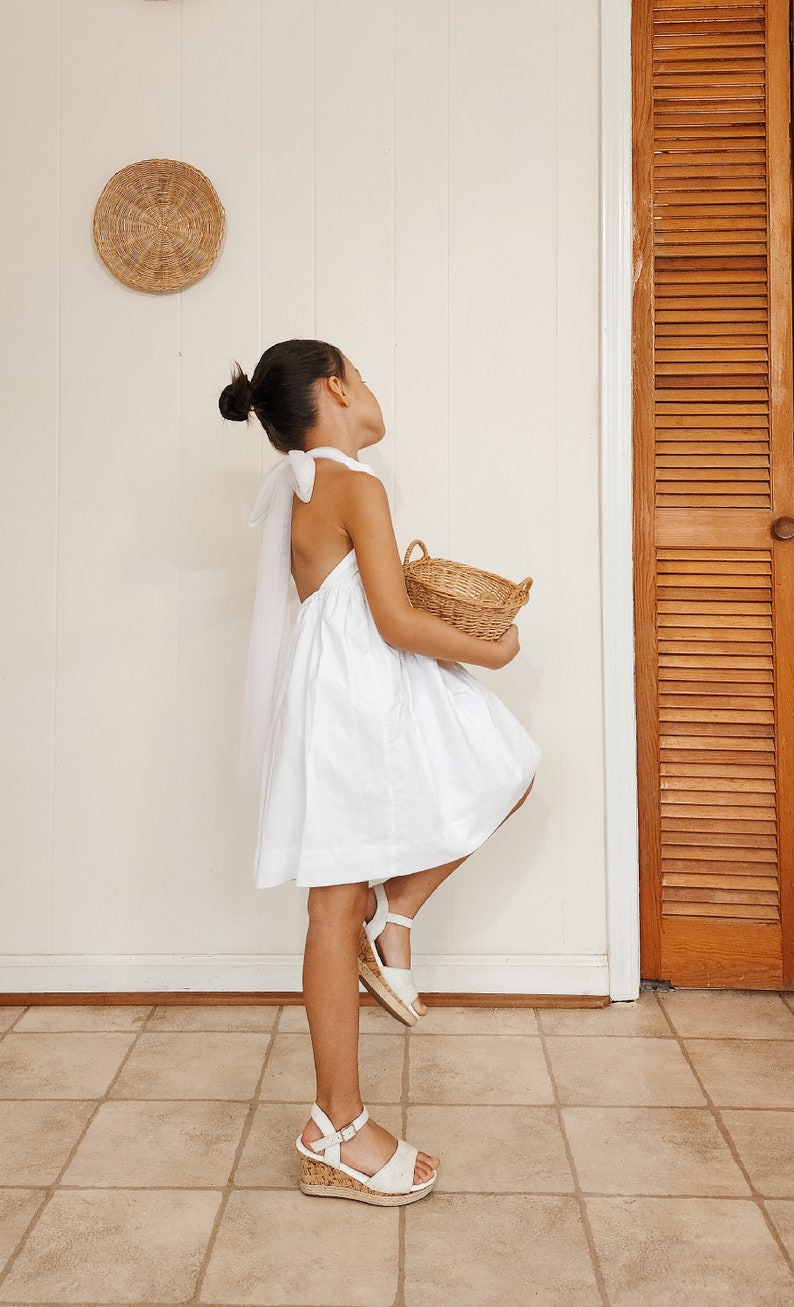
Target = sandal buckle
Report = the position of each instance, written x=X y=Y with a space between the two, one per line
x=347 y=1133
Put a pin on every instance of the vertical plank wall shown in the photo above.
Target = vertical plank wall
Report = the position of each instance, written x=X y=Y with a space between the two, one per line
x=418 y=181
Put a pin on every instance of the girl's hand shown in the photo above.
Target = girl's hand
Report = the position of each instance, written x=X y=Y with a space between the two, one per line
x=505 y=648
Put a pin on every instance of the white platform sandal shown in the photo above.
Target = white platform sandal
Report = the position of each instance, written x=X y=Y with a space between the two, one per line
x=329 y=1177
x=393 y=987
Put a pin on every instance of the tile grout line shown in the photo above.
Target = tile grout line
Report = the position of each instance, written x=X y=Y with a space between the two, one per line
x=450 y=1193
x=17 y=1018
x=285 y=1102
x=399 y=1300
x=584 y=1217
x=157 y=1302
x=230 y=1186
x=755 y=1194
x=51 y=1188
x=389 y=1034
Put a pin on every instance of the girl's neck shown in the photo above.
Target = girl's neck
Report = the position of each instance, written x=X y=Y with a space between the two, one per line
x=318 y=439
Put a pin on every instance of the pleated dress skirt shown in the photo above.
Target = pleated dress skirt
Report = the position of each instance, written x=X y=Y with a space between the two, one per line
x=382 y=762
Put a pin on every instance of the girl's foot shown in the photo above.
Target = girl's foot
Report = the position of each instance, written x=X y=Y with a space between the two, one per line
x=394 y=942
x=370 y=1149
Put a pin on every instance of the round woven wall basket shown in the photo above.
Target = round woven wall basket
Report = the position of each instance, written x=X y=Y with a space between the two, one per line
x=158 y=225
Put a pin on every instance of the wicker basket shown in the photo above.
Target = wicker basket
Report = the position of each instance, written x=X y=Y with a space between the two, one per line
x=158 y=225
x=479 y=603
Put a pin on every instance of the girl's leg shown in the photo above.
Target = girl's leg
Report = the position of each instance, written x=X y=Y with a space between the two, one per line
x=406 y=895
x=330 y=992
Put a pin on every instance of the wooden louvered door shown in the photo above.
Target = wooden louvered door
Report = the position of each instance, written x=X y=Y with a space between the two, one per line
x=713 y=473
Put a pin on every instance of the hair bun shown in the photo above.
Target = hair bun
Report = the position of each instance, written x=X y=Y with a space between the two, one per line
x=236 y=399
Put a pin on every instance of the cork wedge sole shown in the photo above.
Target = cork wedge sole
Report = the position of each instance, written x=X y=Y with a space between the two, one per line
x=374 y=982
x=320 y=1180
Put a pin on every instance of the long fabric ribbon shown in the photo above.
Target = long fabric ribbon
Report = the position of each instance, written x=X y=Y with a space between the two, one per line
x=270 y=626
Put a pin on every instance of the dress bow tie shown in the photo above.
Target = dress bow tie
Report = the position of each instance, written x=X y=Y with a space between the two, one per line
x=296 y=472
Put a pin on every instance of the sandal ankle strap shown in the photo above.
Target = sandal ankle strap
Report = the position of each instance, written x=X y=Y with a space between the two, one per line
x=383 y=913
x=335 y=1137
x=399 y=919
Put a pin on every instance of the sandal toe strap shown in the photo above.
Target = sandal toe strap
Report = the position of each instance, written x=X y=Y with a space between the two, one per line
x=402 y=982
x=397 y=1176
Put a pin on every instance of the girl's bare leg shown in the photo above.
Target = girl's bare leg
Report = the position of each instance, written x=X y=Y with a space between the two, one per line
x=406 y=894
x=330 y=992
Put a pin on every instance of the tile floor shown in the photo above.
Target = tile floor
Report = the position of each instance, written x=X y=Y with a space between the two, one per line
x=637 y=1154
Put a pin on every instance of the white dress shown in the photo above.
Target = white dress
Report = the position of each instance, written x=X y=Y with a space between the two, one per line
x=382 y=762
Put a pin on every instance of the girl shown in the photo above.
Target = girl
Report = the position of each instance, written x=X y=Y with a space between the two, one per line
x=382 y=762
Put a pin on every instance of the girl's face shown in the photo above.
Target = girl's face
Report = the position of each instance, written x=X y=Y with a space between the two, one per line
x=364 y=405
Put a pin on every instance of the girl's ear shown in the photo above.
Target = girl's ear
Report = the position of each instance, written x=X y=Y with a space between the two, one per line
x=336 y=388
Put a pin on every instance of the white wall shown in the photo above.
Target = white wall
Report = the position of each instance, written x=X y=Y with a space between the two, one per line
x=417 y=181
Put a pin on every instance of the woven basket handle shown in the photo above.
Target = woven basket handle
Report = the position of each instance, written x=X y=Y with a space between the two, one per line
x=410 y=549
x=523 y=589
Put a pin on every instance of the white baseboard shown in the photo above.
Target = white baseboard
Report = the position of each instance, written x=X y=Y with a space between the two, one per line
x=258 y=973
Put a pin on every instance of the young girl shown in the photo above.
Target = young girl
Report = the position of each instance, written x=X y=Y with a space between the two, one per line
x=382 y=762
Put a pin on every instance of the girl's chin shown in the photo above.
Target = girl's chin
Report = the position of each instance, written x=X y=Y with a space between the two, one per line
x=374 y=439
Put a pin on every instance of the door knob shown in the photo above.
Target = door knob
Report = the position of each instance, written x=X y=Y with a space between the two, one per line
x=783 y=528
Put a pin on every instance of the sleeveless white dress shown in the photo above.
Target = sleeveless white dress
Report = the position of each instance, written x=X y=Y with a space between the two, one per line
x=381 y=762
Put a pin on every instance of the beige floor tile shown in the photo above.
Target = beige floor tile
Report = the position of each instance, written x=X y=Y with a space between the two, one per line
x=281 y=1248
x=213 y=1016
x=371 y=1021
x=132 y=1144
x=293 y=1020
x=782 y=1213
x=84 y=1016
x=651 y=1150
x=8 y=1016
x=493 y=1149
x=643 y=1016
x=478 y=1069
x=16 y=1208
x=745 y=1072
x=728 y=1014
x=765 y=1143
x=503 y=1250
x=270 y=1159
x=477 y=1021
x=688 y=1252
x=60 y=1066
x=212 y=1064
x=290 y=1070
x=114 y=1245
x=37 y=1137
x=622 y=1072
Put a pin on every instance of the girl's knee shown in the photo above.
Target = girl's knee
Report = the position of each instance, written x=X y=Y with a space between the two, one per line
x=525 y=795
x=338 y=903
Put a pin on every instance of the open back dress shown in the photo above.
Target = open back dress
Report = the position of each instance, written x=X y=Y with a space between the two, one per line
x=380 y=762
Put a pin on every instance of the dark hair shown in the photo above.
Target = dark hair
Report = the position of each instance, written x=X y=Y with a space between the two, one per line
x=281 y=391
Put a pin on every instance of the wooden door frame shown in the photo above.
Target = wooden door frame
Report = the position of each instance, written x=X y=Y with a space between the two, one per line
x=616 y=499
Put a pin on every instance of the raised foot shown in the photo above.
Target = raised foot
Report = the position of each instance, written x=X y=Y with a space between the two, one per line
x=370 y=1149
x=394 y=943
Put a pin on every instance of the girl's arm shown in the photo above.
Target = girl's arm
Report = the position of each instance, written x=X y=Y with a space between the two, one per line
x=367 y=518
